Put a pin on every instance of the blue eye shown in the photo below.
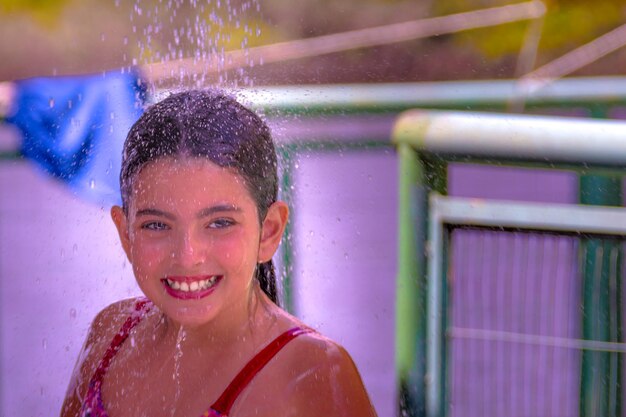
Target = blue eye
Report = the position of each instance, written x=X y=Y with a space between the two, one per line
x=221 y=223
x=155 y=226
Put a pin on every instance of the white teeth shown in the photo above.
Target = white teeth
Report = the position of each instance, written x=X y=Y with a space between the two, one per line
x=173 y=284
x=193 y=286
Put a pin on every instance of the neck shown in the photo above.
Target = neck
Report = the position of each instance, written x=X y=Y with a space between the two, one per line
x=246 y=320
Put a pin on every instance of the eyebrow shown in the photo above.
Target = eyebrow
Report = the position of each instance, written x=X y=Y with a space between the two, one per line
x=218 y=209
x=155 y=212
x=205 y=212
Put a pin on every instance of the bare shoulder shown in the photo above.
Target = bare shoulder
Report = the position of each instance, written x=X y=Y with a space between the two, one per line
x=102 y=330
x=106 y=324
x=324 y=380
x=113 y=316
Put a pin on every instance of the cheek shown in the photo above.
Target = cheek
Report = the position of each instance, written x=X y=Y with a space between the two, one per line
x=238 y=252
x=148 y=256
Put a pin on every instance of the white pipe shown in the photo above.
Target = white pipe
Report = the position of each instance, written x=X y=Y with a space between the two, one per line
x=438 y=93
x=565 y=140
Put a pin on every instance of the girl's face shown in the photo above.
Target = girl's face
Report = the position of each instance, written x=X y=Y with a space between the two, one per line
x=193 y=237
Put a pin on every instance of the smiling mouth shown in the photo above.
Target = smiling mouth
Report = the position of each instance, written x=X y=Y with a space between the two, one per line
x=188 y=287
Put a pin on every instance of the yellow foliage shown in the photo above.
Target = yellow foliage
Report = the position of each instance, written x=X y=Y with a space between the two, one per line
x=46 y=12
x=568 y=24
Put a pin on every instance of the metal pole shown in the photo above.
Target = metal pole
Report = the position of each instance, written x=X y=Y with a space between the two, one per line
x=436 y=351
x=417 y=178
x=436 y=269
x=514 y=138
x=410 y=309
x=391 y=97
x=287 y=244
x=601 y=301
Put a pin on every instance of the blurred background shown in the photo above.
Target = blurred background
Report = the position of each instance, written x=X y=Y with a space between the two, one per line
x=46 y=38
x=331 y=78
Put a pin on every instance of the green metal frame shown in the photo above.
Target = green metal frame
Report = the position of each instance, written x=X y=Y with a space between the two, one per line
x=411 y=330
x=597 y=398
x=449 y=136
x=589 y=94
x=449 y=212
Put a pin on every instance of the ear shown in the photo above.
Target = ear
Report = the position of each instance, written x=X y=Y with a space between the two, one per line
x=272 y=230
x=121 y=223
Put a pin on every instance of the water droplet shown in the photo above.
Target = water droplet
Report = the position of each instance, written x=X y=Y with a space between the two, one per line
x=75 y=248
x=92 y=183
x=178 y=354
x=44 y=343
x=51 y=102
x=72 y=313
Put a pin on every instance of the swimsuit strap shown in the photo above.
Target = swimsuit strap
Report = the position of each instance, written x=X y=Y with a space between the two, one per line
x=243 y=378
x=142 y=306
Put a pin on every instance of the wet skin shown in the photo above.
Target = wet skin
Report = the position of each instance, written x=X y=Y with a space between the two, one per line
x=191 y=221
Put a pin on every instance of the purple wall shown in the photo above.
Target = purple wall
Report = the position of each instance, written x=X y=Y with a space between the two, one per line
x=60 y=264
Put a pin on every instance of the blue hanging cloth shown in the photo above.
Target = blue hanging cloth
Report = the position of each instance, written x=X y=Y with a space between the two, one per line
x=75 y=127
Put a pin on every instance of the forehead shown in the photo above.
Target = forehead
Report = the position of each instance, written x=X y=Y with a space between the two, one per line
x=190 y=181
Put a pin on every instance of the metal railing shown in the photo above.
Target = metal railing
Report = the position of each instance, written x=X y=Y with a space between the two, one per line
x=426 y=141
x=371 y=110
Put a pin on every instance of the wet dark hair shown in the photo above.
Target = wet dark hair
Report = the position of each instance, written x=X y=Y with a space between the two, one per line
x=208 y=124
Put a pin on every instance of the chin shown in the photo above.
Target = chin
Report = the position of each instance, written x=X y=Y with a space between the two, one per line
x=191 y=315
x=187 y=313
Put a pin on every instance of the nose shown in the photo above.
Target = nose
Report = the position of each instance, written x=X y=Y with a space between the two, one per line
x=189 y=250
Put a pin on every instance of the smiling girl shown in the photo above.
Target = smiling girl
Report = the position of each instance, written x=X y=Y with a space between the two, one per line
x=200 y=222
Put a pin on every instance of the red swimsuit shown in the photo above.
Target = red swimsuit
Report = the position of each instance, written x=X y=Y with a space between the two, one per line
x=94 y=407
